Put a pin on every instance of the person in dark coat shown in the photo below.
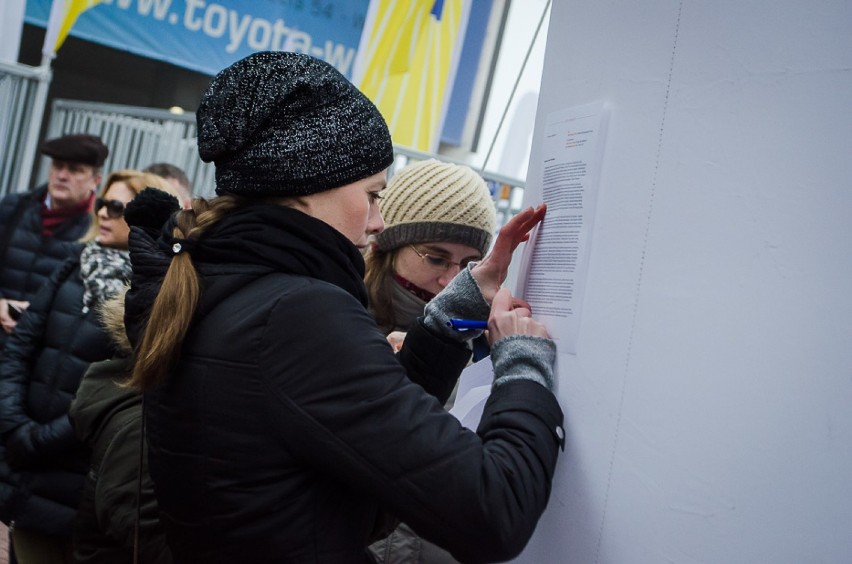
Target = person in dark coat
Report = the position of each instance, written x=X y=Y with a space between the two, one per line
x=42 y=463
x=40 y=229
x=281 y=426
x=107 y=417
x=439 y=217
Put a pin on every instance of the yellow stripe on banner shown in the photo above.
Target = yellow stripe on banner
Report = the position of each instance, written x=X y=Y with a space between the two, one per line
x=73 y=10
x=409 y=58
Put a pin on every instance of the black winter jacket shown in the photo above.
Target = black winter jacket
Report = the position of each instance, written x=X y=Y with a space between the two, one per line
x=29 y=257
x=42 y=463
x=289 y=427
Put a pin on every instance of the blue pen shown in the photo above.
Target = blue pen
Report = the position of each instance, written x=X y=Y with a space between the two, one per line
x=467 y=324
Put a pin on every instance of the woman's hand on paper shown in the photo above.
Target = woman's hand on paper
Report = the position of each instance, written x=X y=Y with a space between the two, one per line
x=508 y=319
x=491 y=272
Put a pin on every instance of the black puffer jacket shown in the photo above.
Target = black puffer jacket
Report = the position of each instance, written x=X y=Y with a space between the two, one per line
x=42 y=463
x=289 y=426
x=30 y=257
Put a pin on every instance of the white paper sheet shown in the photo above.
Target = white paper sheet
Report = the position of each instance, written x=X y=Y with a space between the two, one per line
x=555 y=262
x=474 y=388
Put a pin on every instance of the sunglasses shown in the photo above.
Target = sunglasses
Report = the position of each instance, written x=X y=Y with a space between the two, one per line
x=115 y=209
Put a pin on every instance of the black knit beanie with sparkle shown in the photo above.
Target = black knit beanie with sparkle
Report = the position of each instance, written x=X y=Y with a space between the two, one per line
x=287 y=124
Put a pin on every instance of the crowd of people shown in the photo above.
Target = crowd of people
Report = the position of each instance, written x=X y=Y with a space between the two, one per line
x=264 y=376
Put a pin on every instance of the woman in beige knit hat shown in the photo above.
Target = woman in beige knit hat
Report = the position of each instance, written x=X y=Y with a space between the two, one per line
x=438 y=218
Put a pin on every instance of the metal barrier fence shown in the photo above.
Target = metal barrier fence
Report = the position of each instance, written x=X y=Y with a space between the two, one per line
x=138 y=137
x=19 y=97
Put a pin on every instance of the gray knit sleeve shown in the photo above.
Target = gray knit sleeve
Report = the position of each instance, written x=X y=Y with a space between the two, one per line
x=523 y=357
x=460 y=299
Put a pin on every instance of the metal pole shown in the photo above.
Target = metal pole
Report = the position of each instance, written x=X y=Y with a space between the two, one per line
x=31 y=138
x=515 y=87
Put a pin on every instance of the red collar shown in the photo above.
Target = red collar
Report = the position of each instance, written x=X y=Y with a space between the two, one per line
x=424 y=295
x=51 y=219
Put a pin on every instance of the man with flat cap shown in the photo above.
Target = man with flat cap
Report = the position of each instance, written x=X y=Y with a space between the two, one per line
x=40 y=229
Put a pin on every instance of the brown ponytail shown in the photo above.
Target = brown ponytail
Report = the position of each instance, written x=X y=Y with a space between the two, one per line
x=174 y=307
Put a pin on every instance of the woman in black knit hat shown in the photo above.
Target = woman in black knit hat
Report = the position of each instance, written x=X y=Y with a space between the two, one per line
x=281 y=425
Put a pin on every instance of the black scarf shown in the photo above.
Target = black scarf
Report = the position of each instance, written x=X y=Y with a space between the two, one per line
x=284 y=240
x=258 y=236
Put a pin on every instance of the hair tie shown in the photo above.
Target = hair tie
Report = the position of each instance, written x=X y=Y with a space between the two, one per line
x=177 y=246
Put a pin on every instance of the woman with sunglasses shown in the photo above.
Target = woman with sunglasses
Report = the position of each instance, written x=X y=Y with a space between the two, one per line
x=42 y=463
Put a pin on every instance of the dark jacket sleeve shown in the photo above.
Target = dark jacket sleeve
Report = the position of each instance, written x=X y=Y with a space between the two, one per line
x=27 y=440
x=478 y=495
x=419 y=356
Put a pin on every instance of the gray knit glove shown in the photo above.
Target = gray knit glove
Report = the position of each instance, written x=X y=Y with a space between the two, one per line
x=523 y=357
x=460 y=299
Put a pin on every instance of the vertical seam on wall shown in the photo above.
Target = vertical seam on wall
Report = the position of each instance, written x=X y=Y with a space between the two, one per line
x=639 y=283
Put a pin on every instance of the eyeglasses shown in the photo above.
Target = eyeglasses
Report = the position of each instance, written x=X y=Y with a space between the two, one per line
x=115 y=208
x=438 y=262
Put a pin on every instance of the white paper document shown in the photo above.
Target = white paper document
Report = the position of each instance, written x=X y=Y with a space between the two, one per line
x=474 y=388
x=553 y=267
x=555 y=262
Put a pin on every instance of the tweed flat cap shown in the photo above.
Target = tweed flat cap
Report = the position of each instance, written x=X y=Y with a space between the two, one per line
x=287 y=124
x=77 y=148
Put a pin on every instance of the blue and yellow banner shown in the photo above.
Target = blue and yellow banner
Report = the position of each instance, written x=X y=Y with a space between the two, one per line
x=206 y=36
x=406 y=65
x=63 y=15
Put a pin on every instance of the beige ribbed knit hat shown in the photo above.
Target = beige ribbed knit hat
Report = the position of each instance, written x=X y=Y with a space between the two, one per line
x=431 y=201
